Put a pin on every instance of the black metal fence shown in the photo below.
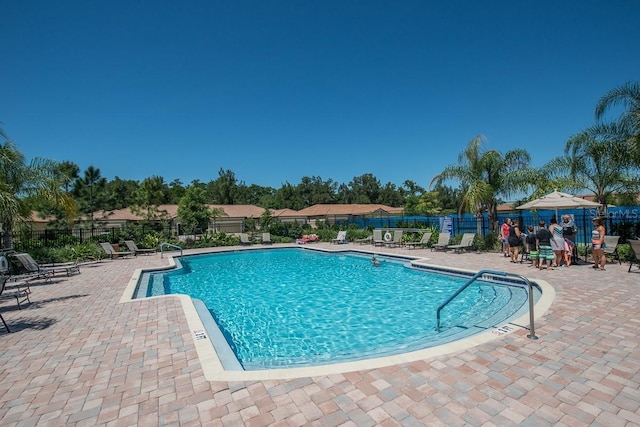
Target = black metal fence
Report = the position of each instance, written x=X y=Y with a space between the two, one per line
x=27 y=240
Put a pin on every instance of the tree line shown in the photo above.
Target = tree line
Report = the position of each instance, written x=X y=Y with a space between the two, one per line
x=603 y=159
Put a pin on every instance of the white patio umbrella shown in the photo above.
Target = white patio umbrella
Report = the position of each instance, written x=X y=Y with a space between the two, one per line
x=558 y=200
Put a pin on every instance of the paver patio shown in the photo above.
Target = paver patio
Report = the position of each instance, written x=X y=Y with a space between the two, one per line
x=77 y=356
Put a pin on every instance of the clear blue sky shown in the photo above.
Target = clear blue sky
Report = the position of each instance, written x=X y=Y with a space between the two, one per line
x=277 y=90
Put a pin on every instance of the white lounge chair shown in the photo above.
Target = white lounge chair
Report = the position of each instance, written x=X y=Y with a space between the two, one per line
x=611 y=247
x=244 y=239
x=340 y=238
x=396 y=241
x=465 y=244
x=423 y=242
x=377 y=238
x=443 y=242
x=266 y=238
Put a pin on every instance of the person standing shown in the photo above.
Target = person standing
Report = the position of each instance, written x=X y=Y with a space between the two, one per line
x=504 y=236
x=557 y=242
x=515 y=240
x=543 y=243
x=532 y=247
x=569 y=230
x=597 y=244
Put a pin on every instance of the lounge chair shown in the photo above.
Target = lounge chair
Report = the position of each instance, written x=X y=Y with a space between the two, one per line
x=377 y=238
x=340 y=238
x=368 y=239
x=396 y=241
x=635 y=254
x=423 y=242
x=465 y=244
x=244 y=239
x=34 y=271
x=443 y=242
x=307 y=238
x=131 y=245
x=19 y=293
x=611 y=247
x=266 y=238
x=109 y=250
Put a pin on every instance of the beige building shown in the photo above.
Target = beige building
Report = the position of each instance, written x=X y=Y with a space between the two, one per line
x=234 y=216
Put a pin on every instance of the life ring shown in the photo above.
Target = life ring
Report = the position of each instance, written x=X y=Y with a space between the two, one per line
x=4 y=264
x=387 y=237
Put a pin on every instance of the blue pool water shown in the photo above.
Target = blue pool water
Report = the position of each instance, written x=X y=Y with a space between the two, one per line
x=296 y=307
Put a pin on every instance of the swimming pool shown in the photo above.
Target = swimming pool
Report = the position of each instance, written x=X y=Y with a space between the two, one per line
x=296 y=307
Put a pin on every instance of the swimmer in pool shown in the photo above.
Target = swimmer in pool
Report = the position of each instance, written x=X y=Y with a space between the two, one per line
x=374 y=261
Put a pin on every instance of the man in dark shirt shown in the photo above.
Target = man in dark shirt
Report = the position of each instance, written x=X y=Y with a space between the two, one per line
x=543 y=242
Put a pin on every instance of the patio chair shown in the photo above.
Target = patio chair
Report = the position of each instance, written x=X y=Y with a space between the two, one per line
x=244 y=239
x=340 y=238
x=110 y=250
x=368 y=239
x=396 y=241
x=131 y=245
x=465 y=244
x=266 y=239
x=611 y=247
x=377 y=238
x=443 y=242
x=19 y=293
x=33 y=268
x=635 y=254
x=423 y=242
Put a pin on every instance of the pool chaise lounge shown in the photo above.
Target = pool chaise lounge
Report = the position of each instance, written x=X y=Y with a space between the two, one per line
x=31 y=267
x=423 y=242
x=110 y=250
x=465 y=244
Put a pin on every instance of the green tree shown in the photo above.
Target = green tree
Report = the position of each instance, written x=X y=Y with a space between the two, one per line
x=596 y=161
x=120 y=193
x=21 y=183
x=89 y=192
x=67 y=172
x=486 y=175
x=429 y=204
x=176 y=191
x=224 y=190
x=153 y=191
x=364 y=189
x=390 y=195
x=193 y=211
x=628 y=124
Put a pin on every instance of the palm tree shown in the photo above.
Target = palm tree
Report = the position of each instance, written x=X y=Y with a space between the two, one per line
x=486 y=175
x=628 y=124
x=597 y=161
x=21 y=183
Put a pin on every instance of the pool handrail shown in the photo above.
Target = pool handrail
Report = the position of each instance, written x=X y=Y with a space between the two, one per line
x=162 y=245
x=532 y=331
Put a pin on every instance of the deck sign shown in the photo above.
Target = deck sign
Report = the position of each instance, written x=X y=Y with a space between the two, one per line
x=503 y=330
x=199 y=335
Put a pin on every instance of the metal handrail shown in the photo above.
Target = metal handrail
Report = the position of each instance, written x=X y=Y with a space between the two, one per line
x=532 y=331
x=162 y=245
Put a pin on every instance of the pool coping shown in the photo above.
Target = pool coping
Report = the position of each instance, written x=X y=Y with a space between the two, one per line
x=214 y=370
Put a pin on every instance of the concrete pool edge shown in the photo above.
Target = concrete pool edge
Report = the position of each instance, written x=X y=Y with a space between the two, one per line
x=214 y=371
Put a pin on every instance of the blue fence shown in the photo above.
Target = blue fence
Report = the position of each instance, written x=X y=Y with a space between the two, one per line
x=622 y=221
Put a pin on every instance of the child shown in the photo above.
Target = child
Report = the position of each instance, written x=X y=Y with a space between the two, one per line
x=532 y=247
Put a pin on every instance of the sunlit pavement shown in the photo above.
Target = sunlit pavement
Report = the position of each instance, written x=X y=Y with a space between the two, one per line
x=77 y=356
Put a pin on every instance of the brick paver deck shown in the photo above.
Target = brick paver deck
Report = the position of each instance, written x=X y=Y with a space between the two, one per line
x=77 y=356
